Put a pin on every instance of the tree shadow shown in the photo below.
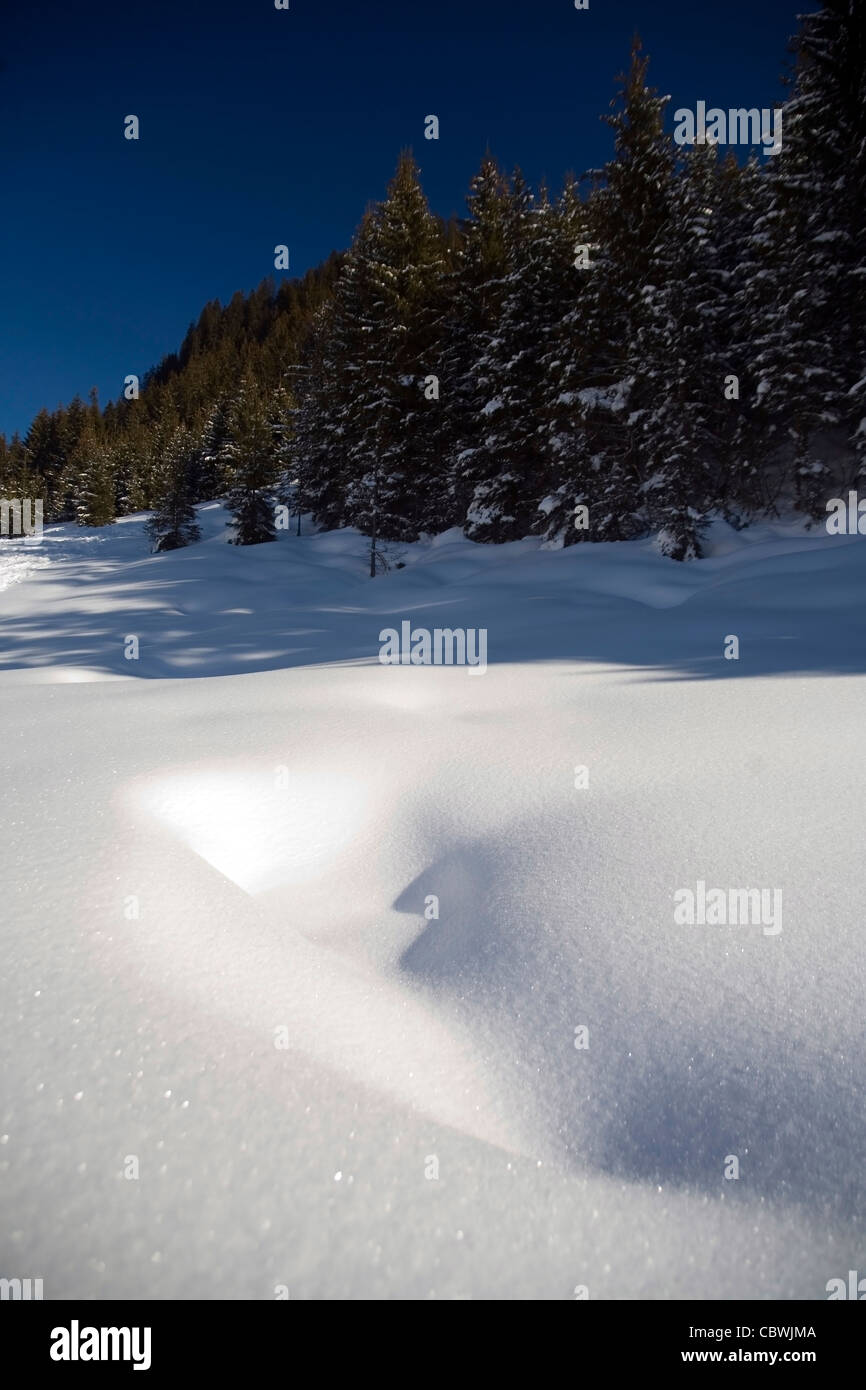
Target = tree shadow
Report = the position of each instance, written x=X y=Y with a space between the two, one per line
x=797 y=613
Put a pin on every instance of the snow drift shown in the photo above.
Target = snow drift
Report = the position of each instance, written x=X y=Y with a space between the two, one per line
x=220 y=960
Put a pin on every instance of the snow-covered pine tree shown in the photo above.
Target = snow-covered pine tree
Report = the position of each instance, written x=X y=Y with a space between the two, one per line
x=807 y=293
x=825 y=135
x=92 y=466
x=680 y=356
x=742 y=484
x=62 y=488
x=628 y=209
x=793 y=377
x=476 y=289
x=46 y=452
x=251 y=466
x=130 y=448
x=284 y=415
x=367 y=428
x=17 y=479
x=143 y=446
x=396 y=484
x=514 y=441
x=318 y=442
x=173 y=524
x=207 y=479
x=566 y=368
x=330 y=415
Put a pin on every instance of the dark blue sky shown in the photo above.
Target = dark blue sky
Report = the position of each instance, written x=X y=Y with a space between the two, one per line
x=261 y=126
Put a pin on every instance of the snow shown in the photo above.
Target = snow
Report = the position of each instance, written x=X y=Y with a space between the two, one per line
x=20 y=561
x=603 y=398
x=285 y=1042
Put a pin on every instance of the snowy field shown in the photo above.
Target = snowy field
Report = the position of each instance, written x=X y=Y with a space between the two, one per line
x=217 y=968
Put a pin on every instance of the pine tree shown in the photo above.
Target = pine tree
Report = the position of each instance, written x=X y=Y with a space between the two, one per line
x=251 y=467
x=284 y=414
x=807 y=291
x=173 y=523
x=214 y=438
x=91 y=466
x=627 y=213
x=62 y=488
x=47 y=447
x=409 y=275
x=513 y=449
x=130 y=449
x=318 y=444
x=335 y=407
x=395 y=482
x=369 y=418
x=743 y=486
x=17 y=480
x=476 y=290
x=680 y=349
x=566 y=367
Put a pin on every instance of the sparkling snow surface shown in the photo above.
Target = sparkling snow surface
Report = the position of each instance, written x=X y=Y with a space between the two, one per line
x=285 y=1043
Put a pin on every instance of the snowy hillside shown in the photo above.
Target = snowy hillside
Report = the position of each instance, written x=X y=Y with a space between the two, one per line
x=216 y=864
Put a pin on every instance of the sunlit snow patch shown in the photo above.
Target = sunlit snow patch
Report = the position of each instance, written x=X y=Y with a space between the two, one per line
x=259 y=827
